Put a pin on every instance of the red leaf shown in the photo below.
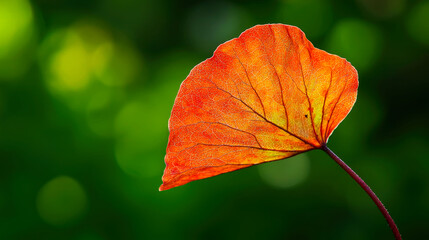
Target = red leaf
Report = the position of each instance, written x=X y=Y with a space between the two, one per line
x=264 y=96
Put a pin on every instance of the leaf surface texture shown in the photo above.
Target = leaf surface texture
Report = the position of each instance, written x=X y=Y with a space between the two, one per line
x=264 y=96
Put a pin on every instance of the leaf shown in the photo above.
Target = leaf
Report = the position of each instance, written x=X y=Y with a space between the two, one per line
x=264 y=96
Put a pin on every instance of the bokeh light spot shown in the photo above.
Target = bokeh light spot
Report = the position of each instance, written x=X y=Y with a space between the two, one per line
x=17 y=38
x=85 y=54
x=76 y=54
x=100 y=55
x=70 y=65
x=285 y=173
x=357 y=41
x=418 y=22
x=139 y=141
x=137 y=161
x=123 y=64
x=101 y=111
x=16 y=23
x=61 y=201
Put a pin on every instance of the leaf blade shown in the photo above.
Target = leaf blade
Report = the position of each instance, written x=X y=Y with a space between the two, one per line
x=264 y=96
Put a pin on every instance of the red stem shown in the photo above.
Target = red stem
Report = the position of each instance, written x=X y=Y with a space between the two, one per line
x=367 y=189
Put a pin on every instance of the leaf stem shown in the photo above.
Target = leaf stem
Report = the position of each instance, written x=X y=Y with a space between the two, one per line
x=367 y=189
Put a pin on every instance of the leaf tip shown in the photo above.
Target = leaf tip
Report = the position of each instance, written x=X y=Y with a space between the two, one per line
x=162 y=188
x=165 y=186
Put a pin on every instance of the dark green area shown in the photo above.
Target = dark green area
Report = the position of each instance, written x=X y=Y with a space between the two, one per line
x=86 y=89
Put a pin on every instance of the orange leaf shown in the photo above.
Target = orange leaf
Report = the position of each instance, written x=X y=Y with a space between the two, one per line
x=264 y=96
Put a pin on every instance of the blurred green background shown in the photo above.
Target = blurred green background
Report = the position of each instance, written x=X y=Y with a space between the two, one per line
x=86 y=88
